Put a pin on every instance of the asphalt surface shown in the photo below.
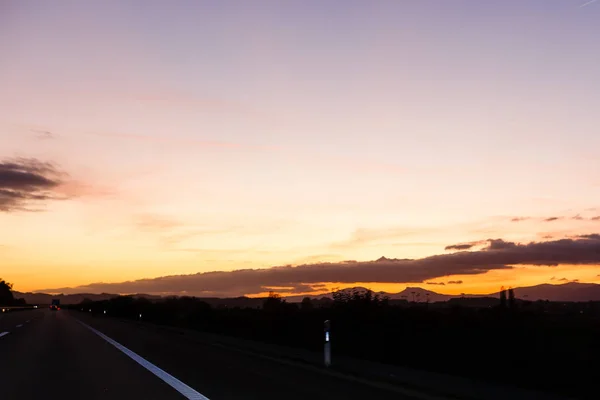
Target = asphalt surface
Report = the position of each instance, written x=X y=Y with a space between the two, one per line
x=50 y=354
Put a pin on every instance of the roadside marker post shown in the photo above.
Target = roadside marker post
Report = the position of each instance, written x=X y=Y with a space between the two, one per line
x=327 y=343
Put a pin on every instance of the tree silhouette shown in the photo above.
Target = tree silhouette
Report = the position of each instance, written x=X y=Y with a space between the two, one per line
x=503 y=298
x=6 y=296
x=511 y=298
x=273 y=303
x=306 y=304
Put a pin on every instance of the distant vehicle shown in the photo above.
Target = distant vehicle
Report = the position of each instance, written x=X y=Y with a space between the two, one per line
x=55 y=306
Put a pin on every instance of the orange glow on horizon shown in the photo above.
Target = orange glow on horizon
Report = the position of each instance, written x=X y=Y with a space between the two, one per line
x=490 y=282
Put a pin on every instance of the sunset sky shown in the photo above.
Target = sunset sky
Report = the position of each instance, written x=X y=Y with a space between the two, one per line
x=143 y=139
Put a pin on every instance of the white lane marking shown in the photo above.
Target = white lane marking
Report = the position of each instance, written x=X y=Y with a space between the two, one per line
x=20 y=325
x=4 y=334
x=175 y=383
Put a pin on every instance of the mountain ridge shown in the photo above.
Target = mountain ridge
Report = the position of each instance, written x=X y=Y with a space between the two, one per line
x=567 y=292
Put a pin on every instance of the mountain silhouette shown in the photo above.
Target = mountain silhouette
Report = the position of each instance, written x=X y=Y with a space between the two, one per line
x=572 y=291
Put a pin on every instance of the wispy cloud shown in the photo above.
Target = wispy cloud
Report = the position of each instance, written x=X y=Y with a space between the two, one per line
x=577 y=217
x=363 y=236
x=587 y=3
x=435 y=283
x=567 y=280
x=459 y=282
x=498 y=255
x=26 y=182
x=185 y=141
x=154 y=222
x=43 y=134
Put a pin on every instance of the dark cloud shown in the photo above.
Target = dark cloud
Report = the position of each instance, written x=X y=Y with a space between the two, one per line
x=463 y=246
x=577 y=217
x=519 y=219
x=593 y=236
x=552 y=219
x=499 y=244
x=455 y=282
x=435 y=283
x=499 y=254
x=27 y=181
x=547 y=237
x=597 y=218
x=567 y=280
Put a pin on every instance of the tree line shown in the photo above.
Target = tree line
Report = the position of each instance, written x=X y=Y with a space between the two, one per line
x=533 y=344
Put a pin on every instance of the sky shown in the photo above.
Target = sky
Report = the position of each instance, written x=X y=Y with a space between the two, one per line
x=144 y=139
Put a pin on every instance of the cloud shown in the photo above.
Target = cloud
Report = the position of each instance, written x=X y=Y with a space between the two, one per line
x=435 y=283
x=499 y=244
x=592 y=236
x=499 y=254
x=567 y=280
x=185 y=141
x=362 y=236
x=463 y=246
x=576 y=217
x=154 y=222
x=587 y=3
x=43 y=135
x=455 y=282
x=28 y=181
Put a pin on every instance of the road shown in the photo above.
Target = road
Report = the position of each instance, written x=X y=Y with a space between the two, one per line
x=52 y=354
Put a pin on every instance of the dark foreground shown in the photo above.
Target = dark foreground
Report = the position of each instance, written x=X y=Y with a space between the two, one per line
x=49 y=354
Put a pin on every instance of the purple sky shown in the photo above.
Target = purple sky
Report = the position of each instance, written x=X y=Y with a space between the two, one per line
x=203 y=136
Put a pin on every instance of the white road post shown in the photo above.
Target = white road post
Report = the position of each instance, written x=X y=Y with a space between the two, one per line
x=327 y=343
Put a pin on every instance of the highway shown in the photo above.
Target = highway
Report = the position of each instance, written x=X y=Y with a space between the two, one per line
x=70 y=355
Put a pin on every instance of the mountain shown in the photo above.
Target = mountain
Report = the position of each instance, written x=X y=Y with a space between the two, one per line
x=573 y=291
x=420 y=295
